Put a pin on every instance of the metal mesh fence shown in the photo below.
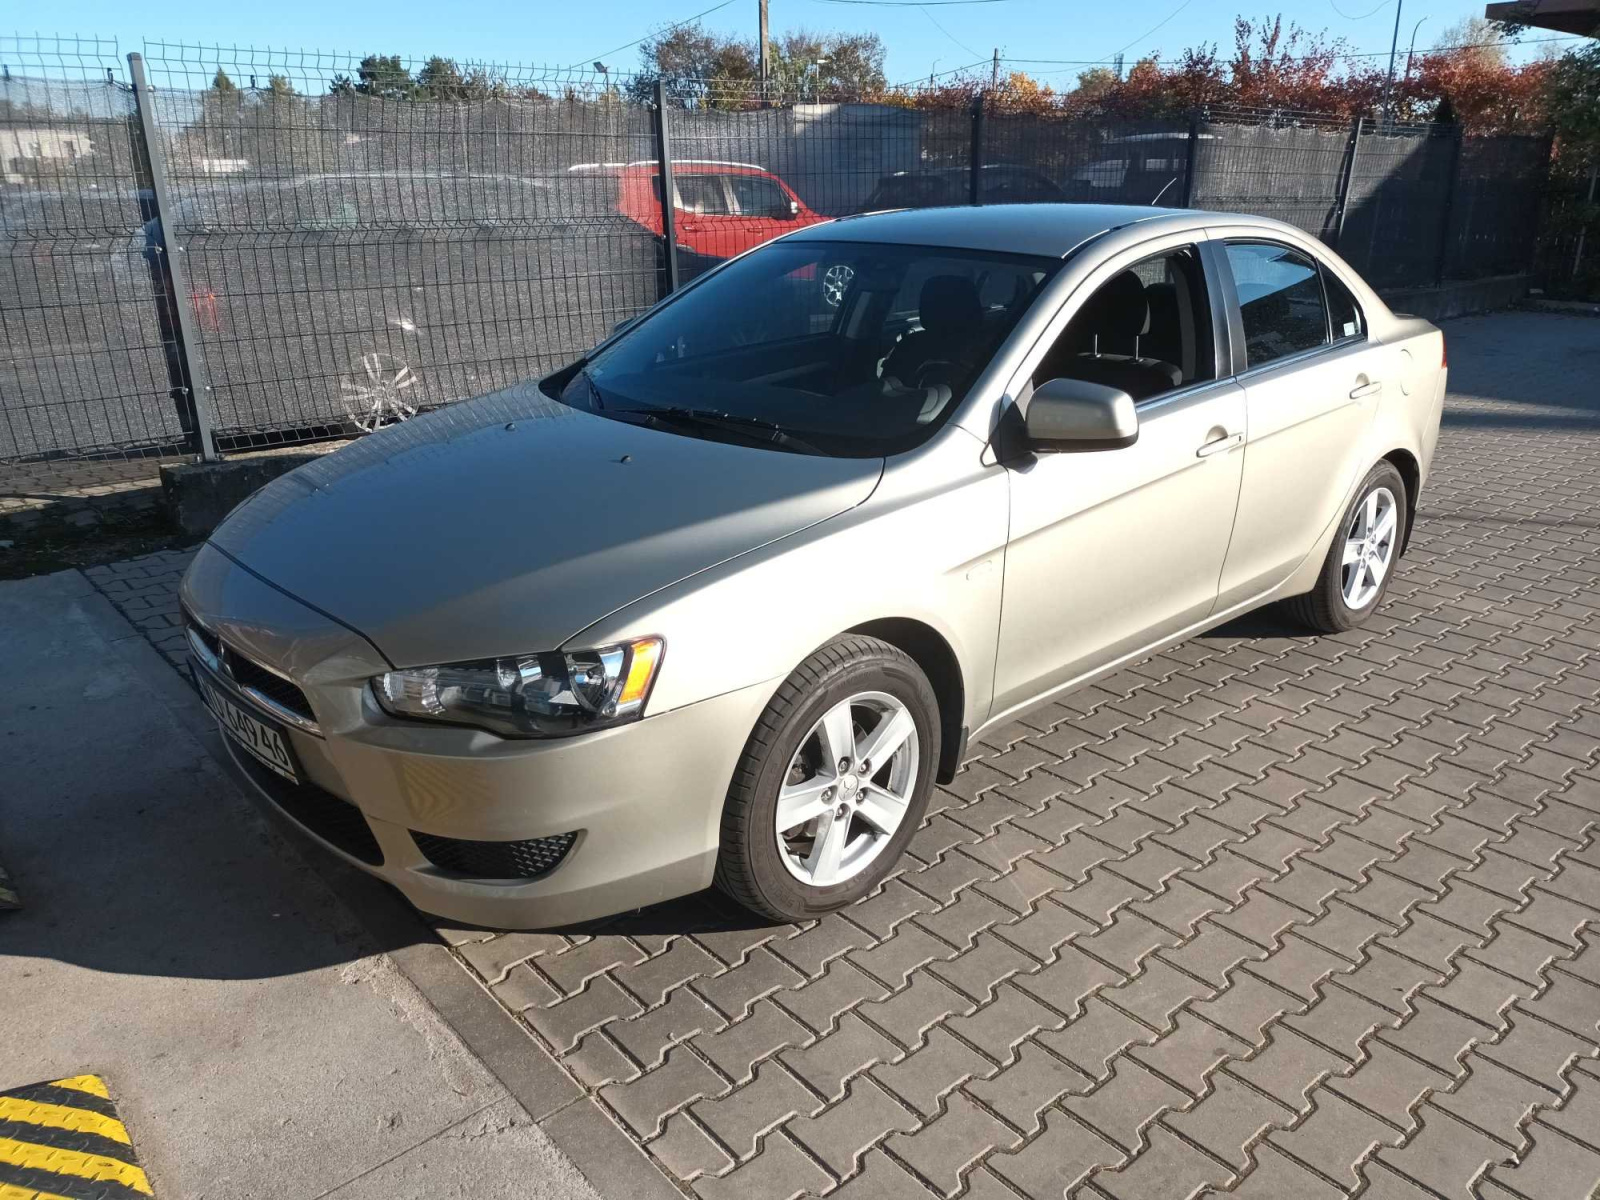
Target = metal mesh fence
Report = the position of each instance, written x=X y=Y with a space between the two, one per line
x=342 y=243
x=355 y=257
x=83 y=366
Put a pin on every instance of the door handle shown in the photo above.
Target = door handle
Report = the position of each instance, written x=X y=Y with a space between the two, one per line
x=1218 y=445
x=1363 y=390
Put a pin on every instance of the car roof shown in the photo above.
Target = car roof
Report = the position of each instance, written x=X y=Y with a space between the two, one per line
x=1046 y=229
x=943 y=172
x=649 y=166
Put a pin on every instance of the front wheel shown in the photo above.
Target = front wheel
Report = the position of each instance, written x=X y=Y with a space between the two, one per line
x=1362 y=559
x=833 y=782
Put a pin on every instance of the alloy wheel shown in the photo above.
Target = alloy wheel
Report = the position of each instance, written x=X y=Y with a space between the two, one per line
x=847 y=788
x=1369 y=545
x=375 y=391
x=836 y=282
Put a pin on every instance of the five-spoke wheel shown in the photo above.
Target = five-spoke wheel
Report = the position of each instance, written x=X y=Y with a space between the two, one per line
x=846 y=791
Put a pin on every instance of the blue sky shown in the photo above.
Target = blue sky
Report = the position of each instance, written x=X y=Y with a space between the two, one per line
x=931 y=37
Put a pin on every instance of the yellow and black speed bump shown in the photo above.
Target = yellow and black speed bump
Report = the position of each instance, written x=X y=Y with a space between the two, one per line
x=62 y=1141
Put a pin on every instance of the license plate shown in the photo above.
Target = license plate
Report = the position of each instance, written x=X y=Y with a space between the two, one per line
x=266 y=742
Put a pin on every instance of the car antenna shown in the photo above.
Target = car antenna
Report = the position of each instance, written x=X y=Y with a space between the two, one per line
x=1163 y=191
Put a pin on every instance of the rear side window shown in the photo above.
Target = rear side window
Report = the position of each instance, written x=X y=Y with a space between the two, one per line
x=1343 y=312
x=758 y=197
x=1280 y=301
x=701 y=194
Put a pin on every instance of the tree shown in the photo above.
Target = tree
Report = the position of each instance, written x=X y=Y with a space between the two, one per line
x=440 y=79
x=720 y=71
x=1573 y=98
x=1477 y=39
x=384 y=76
x=279 y=87
x=222 y=85
x=695 y=63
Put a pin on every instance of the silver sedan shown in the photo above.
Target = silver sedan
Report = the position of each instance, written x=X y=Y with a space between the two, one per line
x=723 y=600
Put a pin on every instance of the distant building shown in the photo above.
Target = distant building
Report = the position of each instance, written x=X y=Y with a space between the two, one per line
x=25 y=151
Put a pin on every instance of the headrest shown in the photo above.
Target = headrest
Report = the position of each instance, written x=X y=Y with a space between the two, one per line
x=1119 y=309
x=949 y=306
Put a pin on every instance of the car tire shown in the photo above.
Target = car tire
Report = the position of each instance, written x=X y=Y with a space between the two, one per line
x=785 y=874
x=1336 y=604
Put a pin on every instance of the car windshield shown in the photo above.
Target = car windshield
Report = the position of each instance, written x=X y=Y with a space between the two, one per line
x=842 y=348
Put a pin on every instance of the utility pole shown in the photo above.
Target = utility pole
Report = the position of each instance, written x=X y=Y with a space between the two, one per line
x=765 y=65
x=994 y=72
x=1394 y=45
x=1116 y=66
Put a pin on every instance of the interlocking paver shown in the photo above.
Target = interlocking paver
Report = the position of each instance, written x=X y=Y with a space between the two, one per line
x=1228 y=919
x=945 y=1147
x=739 y=1118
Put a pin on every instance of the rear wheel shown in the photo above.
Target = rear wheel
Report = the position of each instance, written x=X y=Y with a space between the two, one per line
x=1362 y=559
x=833 y=782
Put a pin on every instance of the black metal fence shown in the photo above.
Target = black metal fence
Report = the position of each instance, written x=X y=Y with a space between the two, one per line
x=207 y=250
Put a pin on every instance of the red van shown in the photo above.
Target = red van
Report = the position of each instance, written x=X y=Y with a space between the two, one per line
x=721 y=208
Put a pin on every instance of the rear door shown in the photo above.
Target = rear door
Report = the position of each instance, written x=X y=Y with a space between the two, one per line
x=762 y=208
x=1312 y=381
x=705 y=220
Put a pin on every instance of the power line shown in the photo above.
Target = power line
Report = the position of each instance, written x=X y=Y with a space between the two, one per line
x=1371 y=13
x=945 y=31
x=952 y=71
x=1158 y=26
x=660 y=29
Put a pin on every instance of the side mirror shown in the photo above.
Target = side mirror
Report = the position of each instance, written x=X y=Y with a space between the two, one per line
x=622 y=324
x=1074 y=414
x=794 y=208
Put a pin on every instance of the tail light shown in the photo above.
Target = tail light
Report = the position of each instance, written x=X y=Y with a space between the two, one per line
x=1444 y=358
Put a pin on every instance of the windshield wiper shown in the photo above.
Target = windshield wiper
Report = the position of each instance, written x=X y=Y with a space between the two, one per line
x=757 y=427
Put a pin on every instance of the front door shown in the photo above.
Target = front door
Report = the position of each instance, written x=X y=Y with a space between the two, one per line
x=1312 y=385
x=1113 y=550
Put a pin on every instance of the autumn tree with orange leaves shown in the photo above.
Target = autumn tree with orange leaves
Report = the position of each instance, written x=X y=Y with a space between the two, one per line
x=1276 y=64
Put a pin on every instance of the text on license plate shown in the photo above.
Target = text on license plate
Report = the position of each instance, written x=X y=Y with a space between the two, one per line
x=266 y=742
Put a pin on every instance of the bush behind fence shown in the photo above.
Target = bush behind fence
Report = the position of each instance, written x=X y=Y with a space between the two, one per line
x=319 y=259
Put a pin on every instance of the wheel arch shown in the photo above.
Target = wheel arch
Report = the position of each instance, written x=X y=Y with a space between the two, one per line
x=933 y=654
x=1411 y=475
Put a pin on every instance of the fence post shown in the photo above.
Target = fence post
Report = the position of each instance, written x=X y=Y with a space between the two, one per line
x=1194 y=158
x=1449 y=204
x=1342 y=201
x=669 y=225
x=975 y=154
x=193 y=382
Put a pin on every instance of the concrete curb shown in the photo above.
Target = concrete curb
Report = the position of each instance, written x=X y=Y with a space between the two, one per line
x=575 y=1123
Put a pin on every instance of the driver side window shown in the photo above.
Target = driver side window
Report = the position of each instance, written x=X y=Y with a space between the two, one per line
x=1146 y=331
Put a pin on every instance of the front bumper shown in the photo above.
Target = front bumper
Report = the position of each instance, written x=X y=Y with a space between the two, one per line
x=644 y=800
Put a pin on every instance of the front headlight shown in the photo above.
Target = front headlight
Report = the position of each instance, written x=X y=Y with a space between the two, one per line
x=531 y=695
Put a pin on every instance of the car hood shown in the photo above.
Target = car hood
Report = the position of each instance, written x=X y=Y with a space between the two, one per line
x=509 y=523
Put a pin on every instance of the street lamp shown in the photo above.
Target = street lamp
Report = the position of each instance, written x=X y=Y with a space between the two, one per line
x=1413 y=47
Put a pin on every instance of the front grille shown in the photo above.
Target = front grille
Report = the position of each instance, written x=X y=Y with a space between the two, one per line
x=532 y=858
x=274 y=687
x=248 y=674
x=335 y=821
